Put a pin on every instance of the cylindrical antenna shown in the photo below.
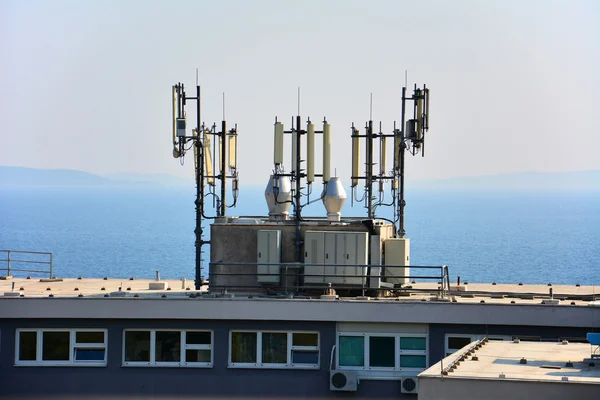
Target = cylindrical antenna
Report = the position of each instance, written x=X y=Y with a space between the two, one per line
x=298 y=101
x=295 y=134
x=326 y=151
x=355 y=156
x=223 y=106
x=405 y=78
x=371 y=108
x=196 y=76
x=427 y=109
x=419 y=115
x=278 y=151
x=233 y=150
x=208 y=163
x=310 y=152
x=175 y=116
x=382 y=155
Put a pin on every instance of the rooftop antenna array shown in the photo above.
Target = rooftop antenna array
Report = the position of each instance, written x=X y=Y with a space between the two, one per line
x=286 y=186
x=410 y=137
x=208 y=145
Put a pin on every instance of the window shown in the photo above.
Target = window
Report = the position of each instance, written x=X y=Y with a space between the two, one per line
x=273 y=349
x=381 y=352
x=167 y=348
x=56 y=347
x=455 y=342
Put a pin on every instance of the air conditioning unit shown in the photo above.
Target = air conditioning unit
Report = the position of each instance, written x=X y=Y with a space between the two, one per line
x=346 y=381
x=410 y=385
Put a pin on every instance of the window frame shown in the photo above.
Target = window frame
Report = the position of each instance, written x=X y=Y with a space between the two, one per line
x=73 y=346
x=290 y=348
x=182 y=363
x=397 y=351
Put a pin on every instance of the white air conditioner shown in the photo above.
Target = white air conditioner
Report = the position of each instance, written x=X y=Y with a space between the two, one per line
x=346 y=381
x=410 y=385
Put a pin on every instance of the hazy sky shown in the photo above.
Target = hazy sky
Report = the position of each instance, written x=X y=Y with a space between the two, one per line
x=515 y=85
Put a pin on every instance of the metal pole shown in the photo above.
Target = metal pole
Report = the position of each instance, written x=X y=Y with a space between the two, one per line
x=401 y=202
x=8 y=260
x=50 y=265
x=223 y=166
x=369 y=180
x=199 y=193
x=297 y=210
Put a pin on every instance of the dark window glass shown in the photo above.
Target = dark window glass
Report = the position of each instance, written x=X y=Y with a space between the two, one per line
x=89 y=354
x=168 y=346
x=305 y=357
x=27 y=346
x=243 y=347
x=55 y=346
x=197 y=337
x=413 y=343
x=352 y=351
x=458 y=342
x=89 y=337
x=407 y=361
x=305 y=339
x=202 y=356
x=137 y=345
x=274 y=348
x=382 y=351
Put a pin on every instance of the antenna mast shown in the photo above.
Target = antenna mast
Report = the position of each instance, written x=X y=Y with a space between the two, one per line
x=204 y=163
x=410 y=137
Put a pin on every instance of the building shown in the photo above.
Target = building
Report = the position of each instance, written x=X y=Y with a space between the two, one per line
x=489 y=369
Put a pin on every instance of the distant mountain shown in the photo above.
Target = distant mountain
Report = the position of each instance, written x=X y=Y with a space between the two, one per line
x=572 y=180
x=22 y=177
x=162 y=179
x=577 y=180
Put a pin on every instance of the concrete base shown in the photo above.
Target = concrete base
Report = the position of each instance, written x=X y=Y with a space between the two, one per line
x=552 y=301
x=329 y=297
x=12 y=294
x=158 y=285
x=459 y=288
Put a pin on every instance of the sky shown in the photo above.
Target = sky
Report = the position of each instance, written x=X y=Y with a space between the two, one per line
x=87 y=84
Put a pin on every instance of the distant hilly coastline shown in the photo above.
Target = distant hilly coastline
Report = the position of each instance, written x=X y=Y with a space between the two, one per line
x=28 y=177
x=32 y=177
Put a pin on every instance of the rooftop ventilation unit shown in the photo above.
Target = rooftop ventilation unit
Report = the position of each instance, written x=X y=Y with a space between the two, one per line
x=346 y=381
x=410 y=385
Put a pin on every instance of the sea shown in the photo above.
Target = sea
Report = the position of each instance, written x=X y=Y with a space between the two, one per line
x=488 y=236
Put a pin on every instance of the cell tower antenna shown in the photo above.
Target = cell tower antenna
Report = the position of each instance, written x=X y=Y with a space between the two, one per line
x=371 y=109
x=196 y=76
x=223 y=106
x=405 y=78
x=298 y=100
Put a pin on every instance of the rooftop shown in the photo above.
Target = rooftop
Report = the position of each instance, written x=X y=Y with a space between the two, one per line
x=571 y=295
x=523 y=361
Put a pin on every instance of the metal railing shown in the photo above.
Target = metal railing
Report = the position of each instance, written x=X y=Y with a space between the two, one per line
x=24 y=258
x=370 y=272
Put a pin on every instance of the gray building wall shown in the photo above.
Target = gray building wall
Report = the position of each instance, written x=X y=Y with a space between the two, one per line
x=117 y=382
x=461 y=389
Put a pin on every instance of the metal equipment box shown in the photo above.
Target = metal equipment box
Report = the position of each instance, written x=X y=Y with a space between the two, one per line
x=397 y=253
x=268 y=253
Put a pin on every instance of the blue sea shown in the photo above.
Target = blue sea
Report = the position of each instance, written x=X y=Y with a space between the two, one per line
x=506 y=237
